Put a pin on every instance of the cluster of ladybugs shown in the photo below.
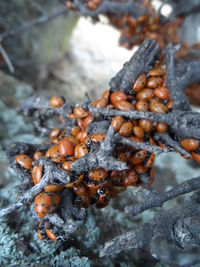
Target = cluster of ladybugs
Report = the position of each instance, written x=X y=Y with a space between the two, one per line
x=149 y=93
x=135 y=30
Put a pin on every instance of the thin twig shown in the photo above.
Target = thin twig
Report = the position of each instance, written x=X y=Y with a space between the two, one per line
x=154 y=199
x=143 y=145
x=41 y=20
x=7 y=59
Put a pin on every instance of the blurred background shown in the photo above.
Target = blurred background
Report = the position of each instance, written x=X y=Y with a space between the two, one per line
x=70 y=55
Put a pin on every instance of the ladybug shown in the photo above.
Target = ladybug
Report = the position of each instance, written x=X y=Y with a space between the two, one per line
x=75 y=130
x=145 y=94
x=100 y=103
x=117 y=96
x=80 y=151
x=80 y=113
x=127 y=129
x=124 y=105
x=190 y=144
x=98 y=137
x=46 y=203
x=54 y=133
x=97 y=174
x=140 y=83
x=66 y=147
x=162 y=93
x=54 y=154
x=154 y=82
x=53 y=188
x=36 y=174
x=56 y=101
x=24 y=161
x=157 y=72
x=117 y=123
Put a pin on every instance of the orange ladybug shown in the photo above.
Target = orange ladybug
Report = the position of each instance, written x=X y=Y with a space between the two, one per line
x=46 y=203
x=24 y=161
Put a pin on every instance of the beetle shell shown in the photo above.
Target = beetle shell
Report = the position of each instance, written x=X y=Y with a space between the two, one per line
x=170 y=104
x=190 y=144
x=158 y=107
x=75 y=130
x=80 y=151
x=56 y=102
x=101 y=103
x=117 y=96
x=154 y=82
x=124 y=105
x=81 y=124
x=36 y=174
x=117 y=123
x=138 y=131
x=126 y=129
x=24 y=161
x=72 y=139
x=53 y=188
x=95 y=185
x=80 y=113
x=147 y=125
x=156 y=72
x=68 y=5
x=142 y=105
x=82 y=136
x=97 y=2
x=91 y=5
x=66 y=165
x=97 y=174
x=125 y=156
x=88 y=120
x=66 y=147
x=54 y=133
x=145 y=94
x=138 y=157
x=161 y=127
x=46 y=203
x=140 y=83
x=54 y=154
x=98 y=137
x=162 y=93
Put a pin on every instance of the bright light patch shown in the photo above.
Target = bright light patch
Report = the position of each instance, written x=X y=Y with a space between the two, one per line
x=166 y=10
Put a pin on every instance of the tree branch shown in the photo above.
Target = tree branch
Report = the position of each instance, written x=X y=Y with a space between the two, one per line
x=174 y=225
x=154 y=199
